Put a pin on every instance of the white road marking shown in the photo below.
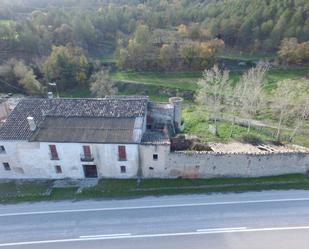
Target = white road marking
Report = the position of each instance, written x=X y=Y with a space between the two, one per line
x=221 y=229
x=106 y=235
x=154 y=206
x=153 y=235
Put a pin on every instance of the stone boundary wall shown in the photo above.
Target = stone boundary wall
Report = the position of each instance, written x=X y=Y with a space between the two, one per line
x=212 y=164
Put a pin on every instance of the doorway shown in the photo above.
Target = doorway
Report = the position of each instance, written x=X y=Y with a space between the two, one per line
x=90 y=171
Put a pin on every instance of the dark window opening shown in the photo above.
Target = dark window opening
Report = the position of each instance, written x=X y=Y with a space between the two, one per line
x=90 y=171
x=2 y=149
x=58 y=169
x=123 y=169
x=151 y=168
x=155 y=157
x=53 y=152
x=122 y=155
x=7 y=166
x=149 y=127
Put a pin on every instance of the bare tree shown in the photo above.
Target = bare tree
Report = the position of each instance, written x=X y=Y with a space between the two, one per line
x=252 y=95
x=283 y=102
x=233 y=104
x=302 y=114
x=102 y=85
x=213 y=87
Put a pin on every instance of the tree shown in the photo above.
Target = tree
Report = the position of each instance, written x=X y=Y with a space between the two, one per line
x=183 y=30
x=167 y=56
x=283 y=102
x=233 y=103
x=63 y=35
x=142 y=34
x=212 y=92
x=302 y=114
x=84 y=32
x=252 y=88
x=16 y=71
x=291 y=51
x=101 y=84
x=27 y=78
x=68 y=66
x=287 y=49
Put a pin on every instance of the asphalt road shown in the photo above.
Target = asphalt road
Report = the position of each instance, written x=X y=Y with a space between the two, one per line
x=270 y=220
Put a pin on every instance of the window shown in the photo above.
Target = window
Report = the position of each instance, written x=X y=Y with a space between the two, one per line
x=151 y=168
x=155 y=157
x=122 y=156
x=53 y=152
x=58 y=169
x=7 y=166
x=123 y=169
x=87 y=151
x=2 y=149
x=86 y=156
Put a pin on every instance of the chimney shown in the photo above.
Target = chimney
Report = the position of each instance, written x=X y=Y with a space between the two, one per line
x=31 y=123
x=50 y=95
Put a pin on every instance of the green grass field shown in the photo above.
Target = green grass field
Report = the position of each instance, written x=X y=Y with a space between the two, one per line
x=178 y=80
x=197 y=122
x=6 y=22
x=34 y=191
x=237 y=55
x=188 y=80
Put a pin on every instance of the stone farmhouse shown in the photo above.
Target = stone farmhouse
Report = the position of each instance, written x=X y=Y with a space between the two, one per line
x=119 y=137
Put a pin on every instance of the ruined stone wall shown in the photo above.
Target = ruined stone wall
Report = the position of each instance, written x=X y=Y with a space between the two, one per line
x=212 y=165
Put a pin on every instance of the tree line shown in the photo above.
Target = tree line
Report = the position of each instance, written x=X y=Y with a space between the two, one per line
x=253 y=25
x=248 y=99
x=146 y=50
x=66 y=66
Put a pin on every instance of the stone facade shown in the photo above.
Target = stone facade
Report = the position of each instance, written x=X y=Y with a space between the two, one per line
x=212 y=165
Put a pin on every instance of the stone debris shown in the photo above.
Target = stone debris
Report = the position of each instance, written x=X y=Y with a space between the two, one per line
x=237 y=147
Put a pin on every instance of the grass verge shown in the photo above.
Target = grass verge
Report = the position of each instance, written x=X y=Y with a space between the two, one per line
x=114 y=188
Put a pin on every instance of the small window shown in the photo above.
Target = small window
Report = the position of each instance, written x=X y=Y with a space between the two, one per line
x=53 y=152
x=58 y=169
x=87 y=151
x=123 y=169
x=7 y=166
x=122 y=155
x=155 y=157
x=2 y=149
x=150 y=168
